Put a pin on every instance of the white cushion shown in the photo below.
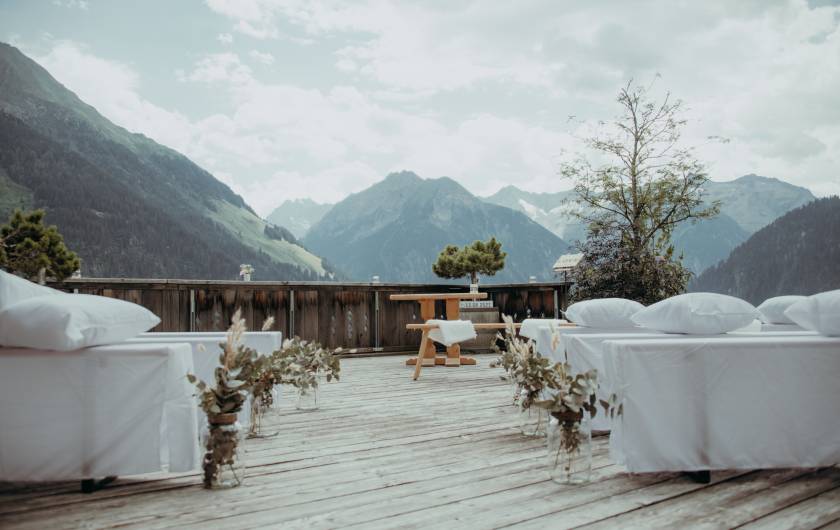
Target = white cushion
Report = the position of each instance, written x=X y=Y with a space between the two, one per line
x=610 y=313
x=773 y=309
x=697 y=314
x=14 y=289
x=820 y=313
x=72 y=321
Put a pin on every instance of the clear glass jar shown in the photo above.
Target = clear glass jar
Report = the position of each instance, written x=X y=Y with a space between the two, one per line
x=569 y=444
x=307 y=398
x=514 y=391
x=532 y=420
x=223 y=463
x=265 y=415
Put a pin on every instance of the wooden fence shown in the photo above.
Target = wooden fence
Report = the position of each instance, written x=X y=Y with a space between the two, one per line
x=357 y=316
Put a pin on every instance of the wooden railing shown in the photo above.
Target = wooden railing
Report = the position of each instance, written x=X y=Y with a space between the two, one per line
x=357 y=316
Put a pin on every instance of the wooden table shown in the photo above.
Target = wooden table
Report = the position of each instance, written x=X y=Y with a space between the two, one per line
x=427 y=312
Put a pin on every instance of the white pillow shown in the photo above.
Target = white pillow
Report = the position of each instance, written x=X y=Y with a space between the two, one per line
x=611 y=313
x=72 y=321
x=697 y=314
x=820 y=313
x=14 y=289
x=773 y=309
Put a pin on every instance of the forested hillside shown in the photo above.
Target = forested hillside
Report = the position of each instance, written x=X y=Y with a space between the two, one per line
x=799 y=253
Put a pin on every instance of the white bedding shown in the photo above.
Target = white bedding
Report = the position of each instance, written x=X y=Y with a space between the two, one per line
x=751 y=402
x=118 y=410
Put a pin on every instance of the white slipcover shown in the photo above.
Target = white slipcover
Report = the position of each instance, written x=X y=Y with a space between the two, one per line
x=121 y=409
x=748 y=402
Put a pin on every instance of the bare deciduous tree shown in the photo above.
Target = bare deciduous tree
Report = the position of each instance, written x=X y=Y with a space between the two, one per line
x=649 y=183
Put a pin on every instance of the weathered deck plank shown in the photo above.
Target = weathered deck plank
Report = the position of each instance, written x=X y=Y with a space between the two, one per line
x=443 y=451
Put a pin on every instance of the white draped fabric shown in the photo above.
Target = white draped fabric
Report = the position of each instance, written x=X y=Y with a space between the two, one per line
x=206 y=349
x=121 y=409
x=747 y=402
x=449 y=332
x=531 y=326
x=584 y=352
x=781 y=327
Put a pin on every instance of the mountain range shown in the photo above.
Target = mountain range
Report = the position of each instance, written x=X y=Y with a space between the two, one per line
x=797 y=253
x=126 y=204
x=134 y=208
x=748 y=203
x=298 y=215
x=396 y=228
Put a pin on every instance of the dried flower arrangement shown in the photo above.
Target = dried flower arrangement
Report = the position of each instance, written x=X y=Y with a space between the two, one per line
x=222 y=401
x=300 y=362
x=531 y=372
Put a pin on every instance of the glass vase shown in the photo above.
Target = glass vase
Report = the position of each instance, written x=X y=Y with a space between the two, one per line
x=223 y=462
x=532 y=420
x=514 y=392
x=264 y=415
x=307 y=399
x=569 y=444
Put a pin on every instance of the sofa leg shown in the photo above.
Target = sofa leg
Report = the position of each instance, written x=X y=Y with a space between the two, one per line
x=89 y=485
x=701 y=477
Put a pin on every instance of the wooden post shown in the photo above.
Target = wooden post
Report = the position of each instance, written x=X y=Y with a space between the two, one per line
x=291 y=313
x=376 y=319
x=192 y=310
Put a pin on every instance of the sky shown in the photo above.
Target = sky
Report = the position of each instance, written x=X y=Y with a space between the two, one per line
x=287 y=99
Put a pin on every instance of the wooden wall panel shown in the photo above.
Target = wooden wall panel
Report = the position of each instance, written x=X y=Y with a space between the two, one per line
x=336 y=315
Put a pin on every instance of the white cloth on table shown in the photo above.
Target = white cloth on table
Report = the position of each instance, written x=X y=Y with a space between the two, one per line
x=585 y=351
x=747 y=402
x=122 y=409
x=547 y=346
x=531 y=326
x=206 y=348
x=449 y=332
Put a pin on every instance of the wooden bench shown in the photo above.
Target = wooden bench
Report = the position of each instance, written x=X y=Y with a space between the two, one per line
x=425 y=343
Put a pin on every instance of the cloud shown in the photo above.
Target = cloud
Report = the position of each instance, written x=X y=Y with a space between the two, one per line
x=225 y=38
x=482 y=91
x=261 y=57
x=218 y=67
x=113 y=88
x=72 y=4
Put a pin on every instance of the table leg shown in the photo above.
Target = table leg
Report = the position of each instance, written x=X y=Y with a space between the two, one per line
x=427 y=312
x=424 y=342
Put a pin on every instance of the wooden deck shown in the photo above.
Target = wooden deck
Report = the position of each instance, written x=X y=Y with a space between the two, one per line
x=385 y=451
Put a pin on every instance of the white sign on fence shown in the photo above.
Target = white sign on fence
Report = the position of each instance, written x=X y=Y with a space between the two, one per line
x=476 y=304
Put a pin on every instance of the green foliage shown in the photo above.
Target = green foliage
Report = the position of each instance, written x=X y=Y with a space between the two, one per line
x=299 y=362
x=649 y=185
x=611 y=269
x=28 y=246
x=479 y=258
